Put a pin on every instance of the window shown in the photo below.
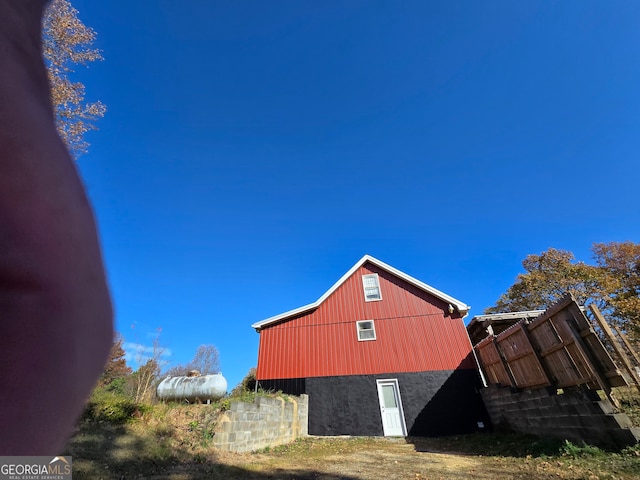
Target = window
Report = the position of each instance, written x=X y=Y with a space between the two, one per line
x=371 y=286
x=366 y=330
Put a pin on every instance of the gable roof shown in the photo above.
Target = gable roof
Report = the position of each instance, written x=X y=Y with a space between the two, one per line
x=463 y=308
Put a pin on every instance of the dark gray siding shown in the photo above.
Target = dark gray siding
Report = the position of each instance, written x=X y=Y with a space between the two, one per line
x=435 y=403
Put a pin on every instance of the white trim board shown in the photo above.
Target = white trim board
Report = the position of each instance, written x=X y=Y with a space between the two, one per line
x=463 y=308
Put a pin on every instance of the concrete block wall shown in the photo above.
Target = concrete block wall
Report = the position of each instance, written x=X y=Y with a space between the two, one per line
x=266 y=422
x=579 y=416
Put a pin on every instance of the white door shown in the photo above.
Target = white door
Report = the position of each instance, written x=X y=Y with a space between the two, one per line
x=391 y=408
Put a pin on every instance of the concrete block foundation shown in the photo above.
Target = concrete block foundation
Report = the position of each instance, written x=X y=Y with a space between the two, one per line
x=579 y=416
x=267 y=422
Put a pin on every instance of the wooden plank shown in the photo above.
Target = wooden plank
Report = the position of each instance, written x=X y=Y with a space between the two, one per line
x=560 y=374
x=551 y=350
x=493 y=364
x=601 y=357
x=544 y=335
x=505 y=364
x=559 y=348
x=600 y=378
x=563 y=368
x=563 y=303
x=614 y=343
x=544 y=373
x=528 y=372
x=628 y=345
x=520 y=355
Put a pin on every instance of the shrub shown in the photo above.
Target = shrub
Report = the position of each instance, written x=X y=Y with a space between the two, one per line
x=247 y=384
x=112 y=407
x=572 y=450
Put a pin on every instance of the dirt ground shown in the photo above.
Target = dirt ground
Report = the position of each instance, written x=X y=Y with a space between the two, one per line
x=350 y=458
x=173 y=443
x=364 y=459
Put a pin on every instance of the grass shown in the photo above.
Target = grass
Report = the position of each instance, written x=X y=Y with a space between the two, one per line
x=117 y=439
x=629 y=399
x=144 y=449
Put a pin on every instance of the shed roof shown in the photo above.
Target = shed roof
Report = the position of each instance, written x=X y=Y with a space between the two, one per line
x=462 y=307
x=499 y=322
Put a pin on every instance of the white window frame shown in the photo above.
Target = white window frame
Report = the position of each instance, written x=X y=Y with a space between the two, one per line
x=364 y=287
x=359 y=330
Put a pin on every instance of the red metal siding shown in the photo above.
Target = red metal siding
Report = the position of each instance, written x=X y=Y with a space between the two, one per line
x=414 y=333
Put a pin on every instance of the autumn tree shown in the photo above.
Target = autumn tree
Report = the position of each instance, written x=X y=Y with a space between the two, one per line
x=116 y=370
x=205 y=361
x=141 y=383
x=621 y=263
x=613 y=283
x=547 y=278
x=68 y=42
x=143 y=380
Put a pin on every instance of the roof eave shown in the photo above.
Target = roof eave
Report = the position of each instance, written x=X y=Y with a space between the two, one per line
x=282 y=316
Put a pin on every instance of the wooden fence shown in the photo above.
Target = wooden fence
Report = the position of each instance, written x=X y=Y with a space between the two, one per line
x=560 y=349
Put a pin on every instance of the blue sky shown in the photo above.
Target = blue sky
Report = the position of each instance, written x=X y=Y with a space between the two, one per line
x=253 y=151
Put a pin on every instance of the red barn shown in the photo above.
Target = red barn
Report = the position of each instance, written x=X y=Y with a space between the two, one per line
x=380 y=353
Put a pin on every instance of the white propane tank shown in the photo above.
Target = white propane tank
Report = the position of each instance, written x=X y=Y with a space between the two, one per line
x=202 y=388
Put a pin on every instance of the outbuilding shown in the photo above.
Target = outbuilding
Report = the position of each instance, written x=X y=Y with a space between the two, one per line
x=380 y=353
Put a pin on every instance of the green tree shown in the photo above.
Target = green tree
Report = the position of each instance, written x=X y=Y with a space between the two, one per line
x=68 y=42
